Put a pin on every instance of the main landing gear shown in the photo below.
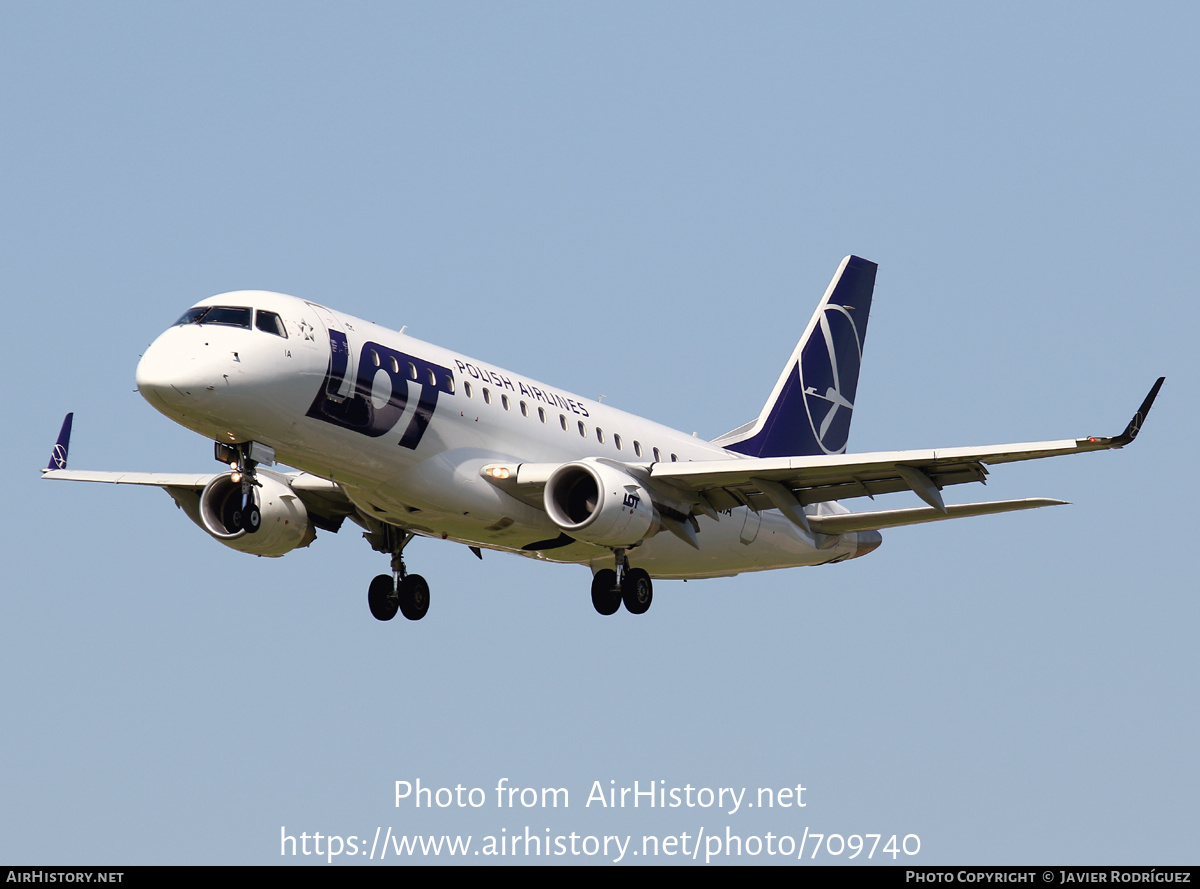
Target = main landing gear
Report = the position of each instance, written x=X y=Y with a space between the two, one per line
x=398 y=591
x=409 y=595
x=629 y=585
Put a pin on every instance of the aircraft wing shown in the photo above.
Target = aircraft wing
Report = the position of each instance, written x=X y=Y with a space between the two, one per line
x=154 y=479
x=784 y=482
x=325 y=501
x=299 y=481
x=682 y=490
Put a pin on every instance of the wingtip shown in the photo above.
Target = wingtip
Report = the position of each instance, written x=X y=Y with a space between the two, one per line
x=1135 y=424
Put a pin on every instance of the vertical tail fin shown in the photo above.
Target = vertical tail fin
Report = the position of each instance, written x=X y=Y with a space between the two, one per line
x=811 y=406
x=58 y=456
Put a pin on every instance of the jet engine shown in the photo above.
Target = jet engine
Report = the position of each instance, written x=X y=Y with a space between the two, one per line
x=285 y=525
x=600 y=504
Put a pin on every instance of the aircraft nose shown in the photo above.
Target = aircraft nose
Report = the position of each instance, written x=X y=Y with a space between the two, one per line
x=167 y=376
x=155 y=375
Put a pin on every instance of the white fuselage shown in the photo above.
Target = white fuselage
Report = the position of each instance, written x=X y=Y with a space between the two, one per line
x=413 y=456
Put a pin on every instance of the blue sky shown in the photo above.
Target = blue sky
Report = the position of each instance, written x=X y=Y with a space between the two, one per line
x=645 y=202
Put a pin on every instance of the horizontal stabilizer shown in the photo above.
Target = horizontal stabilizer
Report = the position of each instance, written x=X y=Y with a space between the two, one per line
x=894 y=518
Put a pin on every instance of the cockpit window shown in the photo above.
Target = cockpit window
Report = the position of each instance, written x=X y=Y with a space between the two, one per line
x=231 y=316
x=191 y=315
x=271 y=323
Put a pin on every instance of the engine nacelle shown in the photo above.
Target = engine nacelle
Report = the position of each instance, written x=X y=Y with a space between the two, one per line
x=600 y=504
x=285 y=525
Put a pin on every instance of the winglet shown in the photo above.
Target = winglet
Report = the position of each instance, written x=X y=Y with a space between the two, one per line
x=1135 y=425
x=58 y=456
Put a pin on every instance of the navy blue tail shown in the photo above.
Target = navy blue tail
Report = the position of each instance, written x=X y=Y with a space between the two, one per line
x=58 y=457
x=812 y=404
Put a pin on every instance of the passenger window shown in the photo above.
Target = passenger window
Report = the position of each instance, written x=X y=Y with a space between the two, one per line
x=674 y=459
x=657 y=456
x=617 y=440
x=542 y=414
x=431 y=377
x=269 y=322
x=582 y=429
x=375 y=358
x=562 y=418
x=637 y=448
x=449 y=382
x=412 y=371
x=487 y=395
x=467 y=387
x=396 y=366
x=524 y=409
x=599 y=435
x=504 y=401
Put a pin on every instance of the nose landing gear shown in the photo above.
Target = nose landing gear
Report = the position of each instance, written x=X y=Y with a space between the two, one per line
x=243 y=459
x=247 y=517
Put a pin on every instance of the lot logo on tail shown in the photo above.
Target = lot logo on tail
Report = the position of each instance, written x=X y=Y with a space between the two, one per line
x=58 y=457
x=810 y=409
x=828 y=369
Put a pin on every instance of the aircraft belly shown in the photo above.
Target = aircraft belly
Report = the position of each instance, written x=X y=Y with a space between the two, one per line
x=723 y=552
x=445 y=494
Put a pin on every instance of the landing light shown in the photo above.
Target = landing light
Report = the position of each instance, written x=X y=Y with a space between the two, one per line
x=500 y=472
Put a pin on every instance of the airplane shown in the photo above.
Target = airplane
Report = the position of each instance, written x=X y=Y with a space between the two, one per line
x=407 y=439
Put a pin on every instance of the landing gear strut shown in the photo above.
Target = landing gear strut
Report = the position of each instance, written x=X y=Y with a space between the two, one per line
x=629 y=585
x=398 y=591
x=243 y=459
